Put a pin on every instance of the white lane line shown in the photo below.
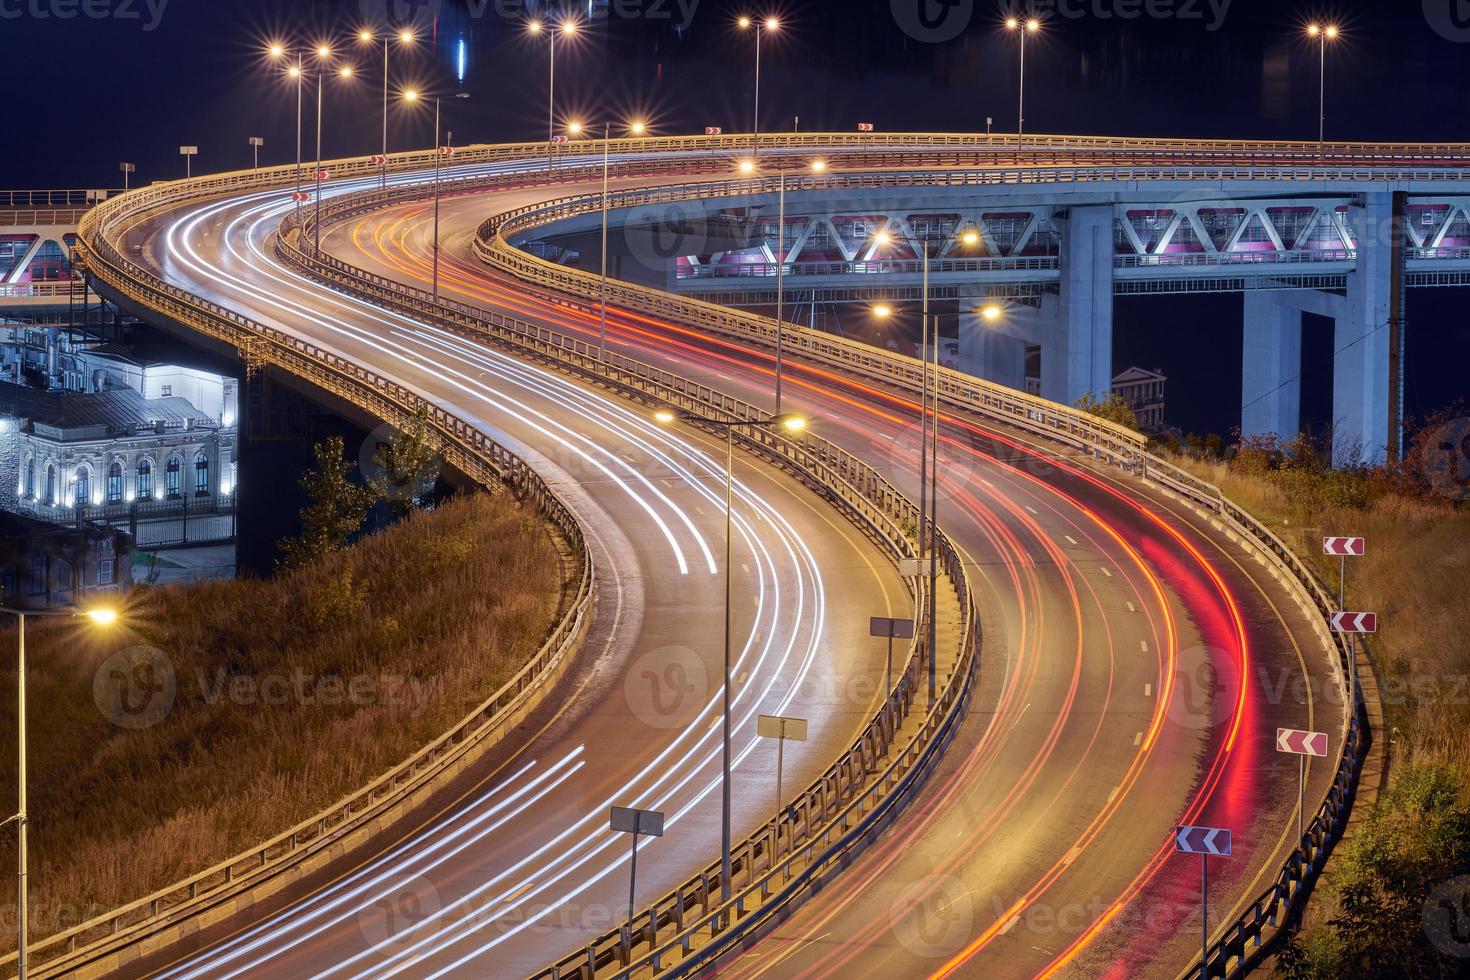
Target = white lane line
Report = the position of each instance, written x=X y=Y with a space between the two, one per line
x=1143 y=644
x=1138 y=738
x=1148 y=690
x=1114 y=794
x=1106 y=572
x=1070 y=539
x=1072 y=855
x=1010 y=924
x=1131 y=607
x=1020 y=713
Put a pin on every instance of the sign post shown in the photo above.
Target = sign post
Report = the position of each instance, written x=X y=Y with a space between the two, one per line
x=256 y=142
x=649 y=823
x=1343 y=548
x=1207 y=842
x=1304 y=745
x=127 y=169
x=188 y=153
x=890 y=628
x=779 y=728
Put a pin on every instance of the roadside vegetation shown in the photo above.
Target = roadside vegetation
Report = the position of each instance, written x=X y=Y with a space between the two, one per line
x=1393 y=902
x=222 y=713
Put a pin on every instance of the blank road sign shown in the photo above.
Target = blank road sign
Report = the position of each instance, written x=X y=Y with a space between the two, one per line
x=1295 y=742
x=774 y=726
x=626 y=820
x=894 y=629
x=1203 y=840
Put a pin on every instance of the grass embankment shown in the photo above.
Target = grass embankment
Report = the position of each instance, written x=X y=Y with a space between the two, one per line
x=1390 y=890
x=289 y=694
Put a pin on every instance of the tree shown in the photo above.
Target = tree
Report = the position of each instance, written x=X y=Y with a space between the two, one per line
x=337 y=509
x=1113 y=408
x=406 y=467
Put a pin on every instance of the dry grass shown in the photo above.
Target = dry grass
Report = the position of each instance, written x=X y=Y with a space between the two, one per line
x=429 y=617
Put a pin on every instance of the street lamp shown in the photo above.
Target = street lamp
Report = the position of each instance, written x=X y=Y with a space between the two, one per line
x=412 y=96
x=404 y=37
x=1323 y=33
x=1023 y=27
x=345 y=72
x=768 y=26
x=928 y=442
x=792 y=424
x=277 y=52
x=747 y=167
x=637 y=128
x=567 y=28
x=100 y=616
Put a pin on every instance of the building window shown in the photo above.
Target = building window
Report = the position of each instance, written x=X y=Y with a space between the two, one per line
x=171 y=476
x=30 y=478
x=37 y=575
x=166 y=390
x=201 y=475
x=145 y=480
x=114 y=483
x=104 y=572
x=84 y=487
x=65 y=577
x=50 y=484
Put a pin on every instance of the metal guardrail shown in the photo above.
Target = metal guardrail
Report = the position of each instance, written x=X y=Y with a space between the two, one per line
x=63 y=287
x=1428 y=158
x=835 y=813
x=1230 y=955
x=465 y=447
x=82 y=198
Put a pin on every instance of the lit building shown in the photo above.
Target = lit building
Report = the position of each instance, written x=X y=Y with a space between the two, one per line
x=44 y=565
x=1143 y=390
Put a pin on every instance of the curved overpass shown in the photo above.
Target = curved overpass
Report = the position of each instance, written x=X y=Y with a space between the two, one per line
x=1108 y=599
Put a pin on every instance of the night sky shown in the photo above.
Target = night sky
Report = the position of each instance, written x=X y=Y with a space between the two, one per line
x=88 y=91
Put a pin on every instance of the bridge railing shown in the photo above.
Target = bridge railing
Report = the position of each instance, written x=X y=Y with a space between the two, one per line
x=839 y=810
x=1236 y=941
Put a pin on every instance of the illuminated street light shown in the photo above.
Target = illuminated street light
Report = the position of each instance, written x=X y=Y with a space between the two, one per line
x=970 y=237
x=101 y=616
x=277 y=51
x=1023 y=28
x=747 y=166
x=404 y=37
x=567 y=29
x=575 y=128
x=991 y=312
x=638 y=128
x=883 y=311
x=791 y=423
x=1323 y=34
x=769 y=25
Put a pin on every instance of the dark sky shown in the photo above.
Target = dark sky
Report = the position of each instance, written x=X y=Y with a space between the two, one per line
x=88 y=91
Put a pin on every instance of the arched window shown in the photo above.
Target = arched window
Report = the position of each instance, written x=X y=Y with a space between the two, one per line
x=83 y=493
x=114 y=483
x=30 y=478
x=145 y=479
x=171 y=476
x=201 y=475
x=65 y=580
x=50 y=484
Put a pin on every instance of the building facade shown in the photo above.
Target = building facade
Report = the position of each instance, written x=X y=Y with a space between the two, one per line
x=1143 y=390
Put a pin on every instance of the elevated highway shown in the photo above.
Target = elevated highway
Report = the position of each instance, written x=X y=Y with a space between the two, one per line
x=1137 y=649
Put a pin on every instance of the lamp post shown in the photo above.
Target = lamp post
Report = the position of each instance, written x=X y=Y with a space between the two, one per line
x=405 y=37
x=791 y=423
x=1023 y=27
x=637 y=128
x=567 y=28
x=1323 y=33
x=102 y=617
x=928 y=444
x=769 y=25
x=749 y=167
x=344 y=72
x=277 y=52
x=413 y=96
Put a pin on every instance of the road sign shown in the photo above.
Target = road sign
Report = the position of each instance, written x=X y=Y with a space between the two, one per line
x=627 y=820
x=1211 y=841
x=446 y=151
x=1344 y=547
x=1295 y=742
x=713 y=131
x=1355 y=622
x=775 y=726
x=257 y=141
x=559 y=138
x=299 y=196
x=188 y=151
x=128 y=168
x=323 y=174
x=865 y=127
x=378 y=159
x=900 y=629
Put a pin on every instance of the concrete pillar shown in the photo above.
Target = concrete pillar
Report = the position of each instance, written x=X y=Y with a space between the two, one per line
x=1271 y=387
x=996 y=349
x=1077 y=342
x=1360 y=368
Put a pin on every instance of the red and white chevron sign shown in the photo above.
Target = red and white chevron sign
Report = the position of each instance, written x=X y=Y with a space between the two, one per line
x=446 y=151
x=1344 y=547
x=865 y=127
x=1295 y=742
x=1202 y=840
x=323 y=174
x=1355 y=622
x=378 y=159
x=299 y=196
x=712 y=130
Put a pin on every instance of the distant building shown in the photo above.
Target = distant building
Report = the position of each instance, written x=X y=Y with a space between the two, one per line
x=1143 y=390
x=44 y=565
x=71 y=456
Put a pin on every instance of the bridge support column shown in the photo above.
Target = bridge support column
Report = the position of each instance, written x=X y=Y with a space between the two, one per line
x=1077 y=342
x=996 y=349
x=1271 y=386
x=1361 y=395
